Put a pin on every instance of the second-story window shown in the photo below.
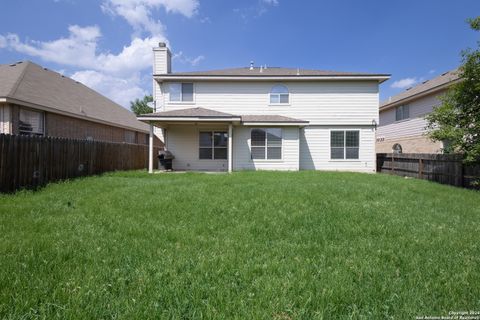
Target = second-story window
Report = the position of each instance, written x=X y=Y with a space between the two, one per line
x=279 y=95
x=402 y=113
x=181 y=92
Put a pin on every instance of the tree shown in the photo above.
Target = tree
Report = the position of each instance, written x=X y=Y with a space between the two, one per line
x=457 y=119
x=141 y=106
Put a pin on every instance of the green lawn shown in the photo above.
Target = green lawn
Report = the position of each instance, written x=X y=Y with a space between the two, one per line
x=250 y=245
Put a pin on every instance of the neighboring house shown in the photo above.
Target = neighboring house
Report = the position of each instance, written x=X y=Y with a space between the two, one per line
x=402 y=117
x=263 y=118
x=38 y=101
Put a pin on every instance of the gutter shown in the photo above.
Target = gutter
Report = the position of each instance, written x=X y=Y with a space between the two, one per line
x=165 y=77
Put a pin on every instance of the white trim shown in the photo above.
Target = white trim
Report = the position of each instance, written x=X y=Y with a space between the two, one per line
x=212 y=131
x=187 y=119
x=230 y=148
x=181 y=101
x=275 y=124
x=150 y=149
x=266 y=160
x=344 y=145
x=268 y=78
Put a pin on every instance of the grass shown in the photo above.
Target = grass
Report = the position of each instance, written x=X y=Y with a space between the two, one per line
x=251 y=245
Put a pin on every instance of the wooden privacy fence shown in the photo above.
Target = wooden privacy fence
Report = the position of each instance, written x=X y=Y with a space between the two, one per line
x=442 y=168
x=30 y=162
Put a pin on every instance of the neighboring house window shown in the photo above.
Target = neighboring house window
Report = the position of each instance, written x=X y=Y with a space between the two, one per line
x=129 y=136
x=402 y=113
x=279 y=95
x=31 y=122
x=181 y=92
x=397 y=148
x=266 y=144
x=213 y=145
x=344 y=144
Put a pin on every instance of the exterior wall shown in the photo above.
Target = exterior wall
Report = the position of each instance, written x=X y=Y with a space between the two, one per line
x=325 y=104
x=5 y=119
x=183 y=142
x=242 y=155
x=321 y=102
x=418 y=144
x=315 y=150
x=410 y=133
x=68 y=127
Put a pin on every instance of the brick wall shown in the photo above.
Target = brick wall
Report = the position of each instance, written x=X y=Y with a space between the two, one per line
x=418 y=144
x=57 y=125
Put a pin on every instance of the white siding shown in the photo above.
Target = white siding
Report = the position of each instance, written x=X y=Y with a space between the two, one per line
x=5 y=118
x=414 y=126
x=321 y=103
x=315 y=150
x=183 y=142
x=325 y=104
x=242 y=157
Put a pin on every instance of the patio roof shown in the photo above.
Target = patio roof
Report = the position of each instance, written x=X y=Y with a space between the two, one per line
x=207 y=115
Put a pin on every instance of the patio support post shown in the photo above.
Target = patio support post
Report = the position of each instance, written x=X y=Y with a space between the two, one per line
x=150 y=149
x=230 y=151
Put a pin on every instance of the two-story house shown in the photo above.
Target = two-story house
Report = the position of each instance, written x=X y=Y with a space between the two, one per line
x=402 y=126
x=264 y=118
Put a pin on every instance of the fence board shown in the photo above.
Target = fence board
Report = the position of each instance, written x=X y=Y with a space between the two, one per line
x=442 y=168
x=31 y=162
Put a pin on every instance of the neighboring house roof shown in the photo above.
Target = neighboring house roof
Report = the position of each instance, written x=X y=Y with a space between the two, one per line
x=193 y=114
x=427 y=87
x=30 y=84
x=271 y=72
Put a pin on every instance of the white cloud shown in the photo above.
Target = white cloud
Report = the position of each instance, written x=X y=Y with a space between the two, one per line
x=138 y=12
x=271 y=2
x=187 y=60
x=256 y=10
x=432 y=71
x=404 y=83
x=120 y=90
x=116 y=75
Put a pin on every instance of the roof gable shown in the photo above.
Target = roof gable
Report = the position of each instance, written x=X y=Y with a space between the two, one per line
x=431 y=86
x=30 y=83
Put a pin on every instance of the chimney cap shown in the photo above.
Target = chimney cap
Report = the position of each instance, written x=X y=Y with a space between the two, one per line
x=162 y=45
x=251 y=65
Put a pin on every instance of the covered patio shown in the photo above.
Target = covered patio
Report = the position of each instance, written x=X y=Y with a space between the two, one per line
x=188 y=132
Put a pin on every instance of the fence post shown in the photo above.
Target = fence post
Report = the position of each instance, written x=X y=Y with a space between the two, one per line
x=420 y=168
x=393 y=163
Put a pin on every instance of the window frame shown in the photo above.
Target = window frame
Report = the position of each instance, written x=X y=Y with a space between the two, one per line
x=402 y=109
x=31 y=133
x=345 y=159
x=212 y=147
x=265 y=146
x=279 y=103
x=181 y=101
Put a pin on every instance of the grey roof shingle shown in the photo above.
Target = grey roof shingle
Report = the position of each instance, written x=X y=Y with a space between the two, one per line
x=207 y=113
x=269 y=118
x=29 y=82
x=190 y=112
x=429 y=85
x=269 y=71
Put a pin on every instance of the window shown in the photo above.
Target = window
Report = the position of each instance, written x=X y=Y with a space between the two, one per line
x=402 y=113
x=344 y=144
x=213 y=145
x=266 y=143
x=129 y=136
x=181 y=92
x=279 y=95
x=31 y=122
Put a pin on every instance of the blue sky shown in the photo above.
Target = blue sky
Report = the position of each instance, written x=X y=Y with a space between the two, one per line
x=106 y=44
